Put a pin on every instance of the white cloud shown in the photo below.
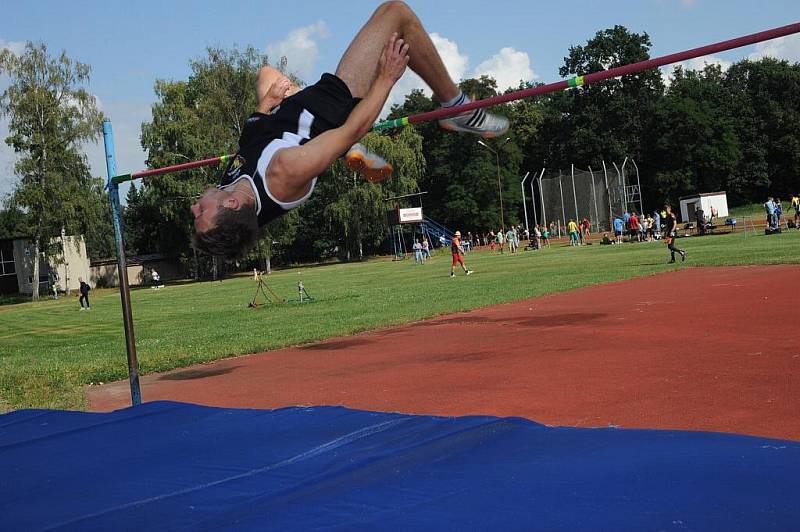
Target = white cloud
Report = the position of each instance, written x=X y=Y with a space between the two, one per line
x=508 y=67
x=783 y=48
x=16 y=47
x=453 y=59
x=300 y=48
x=455 y=62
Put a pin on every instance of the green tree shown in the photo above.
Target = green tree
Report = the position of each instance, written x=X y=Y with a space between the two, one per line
x=606 y=120
x=355 y=211
x=765 y=101
x=94 y=221
x=51 y=116
x=13 y=222
x=694 y=142
x=461 y=176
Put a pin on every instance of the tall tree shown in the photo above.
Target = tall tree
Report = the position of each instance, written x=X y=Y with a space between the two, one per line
x=765 y=101
x=461 y=177
x=51 y=116
x=605 y=120
x=354 y=211
x=694 y=142
x=193 y=119
x=13 y=222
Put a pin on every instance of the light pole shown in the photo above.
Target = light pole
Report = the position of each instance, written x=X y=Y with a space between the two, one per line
x=499 y=183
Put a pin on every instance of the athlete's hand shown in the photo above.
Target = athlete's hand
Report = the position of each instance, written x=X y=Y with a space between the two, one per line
x=394 y=59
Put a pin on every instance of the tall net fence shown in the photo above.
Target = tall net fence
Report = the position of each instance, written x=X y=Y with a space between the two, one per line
x=574 y=195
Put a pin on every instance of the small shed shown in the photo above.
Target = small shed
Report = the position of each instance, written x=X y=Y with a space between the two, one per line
x=690 y=204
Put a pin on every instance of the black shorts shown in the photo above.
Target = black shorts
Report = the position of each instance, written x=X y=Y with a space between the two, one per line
x=329 y=100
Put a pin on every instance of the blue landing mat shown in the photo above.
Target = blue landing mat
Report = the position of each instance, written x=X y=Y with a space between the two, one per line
x=178 y=466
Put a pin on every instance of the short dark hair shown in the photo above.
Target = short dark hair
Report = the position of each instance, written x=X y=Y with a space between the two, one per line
x=234 y=233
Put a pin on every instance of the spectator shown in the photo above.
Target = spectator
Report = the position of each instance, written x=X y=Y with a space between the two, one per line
x=426 y=248
x=643 y=226
x=618 y=228
x=586 y=228
x=769 y=206
x=511 y=238
x=778 y=212
x=606 y=241
x=546 y=237
x=656 y=224
x=633 y=225
x=700 y=219
x=417 y=251
x=84 y=290
x=155 y=278
x=714 y=213
x=572 y=229
x=499 y=238
x=536 y=240
x=796 y=207
x=54 y=286
x=552 y=231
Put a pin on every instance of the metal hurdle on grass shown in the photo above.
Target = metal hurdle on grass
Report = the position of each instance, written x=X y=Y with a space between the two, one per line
x=114 y=180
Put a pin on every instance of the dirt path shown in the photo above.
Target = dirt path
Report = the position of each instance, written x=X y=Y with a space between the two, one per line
x=702 y=349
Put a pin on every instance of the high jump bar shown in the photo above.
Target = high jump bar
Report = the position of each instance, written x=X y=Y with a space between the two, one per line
x=595 y=76
x=117 y=179
x=577 y=81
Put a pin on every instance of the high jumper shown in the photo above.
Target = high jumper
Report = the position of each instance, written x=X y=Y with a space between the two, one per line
x=296 y=135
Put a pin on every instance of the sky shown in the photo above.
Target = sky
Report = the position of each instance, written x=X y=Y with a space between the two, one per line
x=130 y=45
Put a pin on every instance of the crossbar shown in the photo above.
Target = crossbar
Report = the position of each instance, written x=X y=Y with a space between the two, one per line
x=167 y=169
x=578 y=81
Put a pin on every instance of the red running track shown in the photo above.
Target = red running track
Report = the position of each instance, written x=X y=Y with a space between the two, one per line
x=713 y=349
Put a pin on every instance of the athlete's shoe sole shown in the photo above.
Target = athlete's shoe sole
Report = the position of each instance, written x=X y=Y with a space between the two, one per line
x=487 y=125
x=373 y=167
x=449 y=126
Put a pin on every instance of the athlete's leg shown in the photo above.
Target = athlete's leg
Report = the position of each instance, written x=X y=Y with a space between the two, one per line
x=358 y=67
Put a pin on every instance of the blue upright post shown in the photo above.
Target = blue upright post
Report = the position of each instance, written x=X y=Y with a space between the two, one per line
x=124 y=289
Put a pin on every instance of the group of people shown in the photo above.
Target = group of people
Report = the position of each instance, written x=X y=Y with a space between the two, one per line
x=422 y=250
x=644 y=228
x=578 y=231
x=775 y=216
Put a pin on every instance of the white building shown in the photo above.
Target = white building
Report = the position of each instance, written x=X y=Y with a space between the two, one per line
x=16 y=266
x=691 y=204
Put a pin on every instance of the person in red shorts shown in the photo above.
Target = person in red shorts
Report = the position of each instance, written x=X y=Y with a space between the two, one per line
x=458 y=254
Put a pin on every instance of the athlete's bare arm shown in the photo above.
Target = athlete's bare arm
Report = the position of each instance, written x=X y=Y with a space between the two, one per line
x=291 y=169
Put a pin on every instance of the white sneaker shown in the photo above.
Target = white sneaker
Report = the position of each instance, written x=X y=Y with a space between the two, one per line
x=469 y=272
x=82 y=309
x=477 y=122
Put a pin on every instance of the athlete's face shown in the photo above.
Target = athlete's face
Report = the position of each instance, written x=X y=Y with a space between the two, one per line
x=206 y=208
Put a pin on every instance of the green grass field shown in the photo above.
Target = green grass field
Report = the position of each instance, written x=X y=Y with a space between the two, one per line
x=49 y=350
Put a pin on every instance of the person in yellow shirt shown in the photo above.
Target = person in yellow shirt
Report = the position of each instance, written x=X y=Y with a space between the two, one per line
x=796 y=207
x=572 y=227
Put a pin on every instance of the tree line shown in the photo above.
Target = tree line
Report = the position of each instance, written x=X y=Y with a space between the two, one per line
x=703 y=130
